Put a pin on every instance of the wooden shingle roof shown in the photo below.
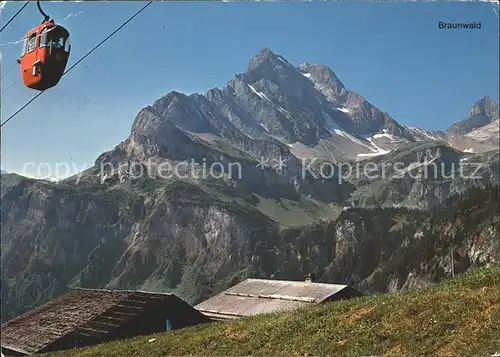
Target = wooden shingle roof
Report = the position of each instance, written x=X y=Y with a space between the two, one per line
x=78 y=310
x=261 y=296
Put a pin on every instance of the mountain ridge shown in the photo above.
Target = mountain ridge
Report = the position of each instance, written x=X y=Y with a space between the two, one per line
x=305 y=106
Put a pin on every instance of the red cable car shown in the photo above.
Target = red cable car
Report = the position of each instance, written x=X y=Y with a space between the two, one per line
x=44 y=55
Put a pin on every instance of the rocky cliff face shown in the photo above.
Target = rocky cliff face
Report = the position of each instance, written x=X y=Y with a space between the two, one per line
x=183 y=239
x=58 y=235
x=394 y=249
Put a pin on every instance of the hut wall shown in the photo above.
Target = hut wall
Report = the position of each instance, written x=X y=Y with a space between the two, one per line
x=151 y=320
x=344 y=294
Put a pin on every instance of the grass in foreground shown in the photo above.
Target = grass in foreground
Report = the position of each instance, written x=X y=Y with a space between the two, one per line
x=453 y=318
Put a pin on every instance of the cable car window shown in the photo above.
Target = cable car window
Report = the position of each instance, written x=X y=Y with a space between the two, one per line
x=32 y=42
x=43 y=38
x=25 y=44
x=66 y=45
x=57 y=42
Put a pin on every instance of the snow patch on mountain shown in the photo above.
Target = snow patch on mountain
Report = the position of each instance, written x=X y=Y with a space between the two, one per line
x=374 y=149
x=263 y=96
x=350 y=137
x=260 y=94
x=378 y=150
x=385 y=134
x=423 y=134
x=372 y=154
x=285 y=61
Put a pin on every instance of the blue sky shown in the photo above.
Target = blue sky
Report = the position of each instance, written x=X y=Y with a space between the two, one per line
x=391 y=53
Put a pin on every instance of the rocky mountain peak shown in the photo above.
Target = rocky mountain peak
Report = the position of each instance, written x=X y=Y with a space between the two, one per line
x=484 y=112
x=172 y=97
x=214 y=94
x=267 y=59
x=485 y=105
x=325 y=81
x=486 y=100
x=175 y=109
x=321 y=74
x=147 y=121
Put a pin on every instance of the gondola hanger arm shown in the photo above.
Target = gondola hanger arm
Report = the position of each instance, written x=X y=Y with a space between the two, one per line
x=45 y=16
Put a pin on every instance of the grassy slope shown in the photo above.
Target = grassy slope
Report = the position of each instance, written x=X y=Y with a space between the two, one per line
x=457 y=317
x=290 y=213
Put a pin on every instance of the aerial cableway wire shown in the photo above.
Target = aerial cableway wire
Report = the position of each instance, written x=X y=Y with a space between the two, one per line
x=80 y=60
x=10 y=69
x=15 y=15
